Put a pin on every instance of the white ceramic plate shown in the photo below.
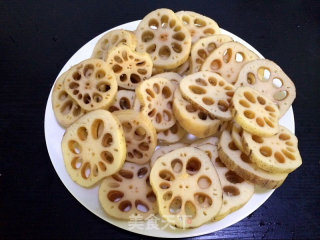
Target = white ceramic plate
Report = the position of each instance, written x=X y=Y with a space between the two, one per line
x=89 y=197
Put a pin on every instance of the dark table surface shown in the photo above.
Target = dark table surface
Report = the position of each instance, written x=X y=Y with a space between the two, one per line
x=36 y=40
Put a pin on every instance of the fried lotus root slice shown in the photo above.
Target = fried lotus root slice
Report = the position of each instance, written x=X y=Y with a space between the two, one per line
x=124 y=100
x=236 y=191
x=172 y=135
x=163 y=36
x=128 y=193
x=187 y=187
x=156 y=97
x=91 y=84
x=112 y=39
x=93 y=147
x=202 y=48
x=174 y=77
x=192 y=119
x=240 y=163
x=267 y=77
x=198 y=25
x=210 y=92
x=205 y=141
x=228 y=59
x=162 y=150
x=66 y=110
x=254 y=112
x=278 y=153
x=141 y=136
x=130 y=67
x=236 y=134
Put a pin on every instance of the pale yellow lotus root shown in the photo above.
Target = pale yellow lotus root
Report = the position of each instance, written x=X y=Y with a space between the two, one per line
x=202 y=48
x=240 y=163
x=130 y=67
x=183 y=69
x=66 y=110
x=163 y=36
x=228 y=59
x=174 y=77
x=254 y=112
x=198 y=25
x=278 y=153
x=92 y=84
x=128 y=194
x=210 y=92
x=162 y=150
x=236 y=191
x=236 y=134
x=267 y=77
x=156 y=97
x=204 y=141
x=172 y=135
x=192 y=119
x=111 y=39
x=141 y=136
x=187 y=187
x=93 y=147
x=124 y=100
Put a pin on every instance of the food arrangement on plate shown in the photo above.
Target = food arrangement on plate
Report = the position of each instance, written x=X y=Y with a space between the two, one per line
x=175 y=119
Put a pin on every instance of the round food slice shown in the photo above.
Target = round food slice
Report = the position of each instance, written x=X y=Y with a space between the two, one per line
x=111 y=39
x=93 y=147
x=267 y=77
x=163 y=36
x=236 y=134
x=198 y=25
x=124 y=100
x=174 y=77
x=240 y=163
x=172 y=135
x=236 y=191
x=204 y=141
x=208 y=91
x=66 y=110
x=254 y=112
x=278 y=153
x=130 y=67
x=128 y=193
x=141 y=136
x=202 y=48
x=91 y=84
x=192 y=119
x=184 y=68
x=156 y=97
x=162 y=150
x=187 y=187
x=228 y=59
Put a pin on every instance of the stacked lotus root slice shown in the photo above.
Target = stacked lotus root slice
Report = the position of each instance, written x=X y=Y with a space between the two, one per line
x=175 y=119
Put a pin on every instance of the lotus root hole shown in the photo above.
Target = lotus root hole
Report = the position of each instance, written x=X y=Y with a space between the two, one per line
x=227 y=55
x=82 y=133
x=240 y=57
x=215 y=65
x=197 y=89
x=270 y=124
x=115 y=196
x=107 y=157
x=164 y=21
x=260 y=121
x=66 y=107
x=158 y=118
x=151 y=48
x=153 y=24
x=113 y=184
x=74 y=147
x=207 y=100
x=203 y=200
x=125 y=206
x=166 y=175
x=265 y=151
x=166 y=92
x=193 y=166
x=97 y=97
x=126 y=174
x=150 y=93
x=261 y=100
x=123 y=77
x=249 y=114
x=251 y=79
x=76 y=163
x=213 y=81
x=288 y=154
x=179 y=36
x=279 y=157
x=103 y=87
x=249 y=97
x=88 y=70
x=151 y=197
x=142 y=172
x=223 y=105
x=245 y=158
x=76 y=76
x=190 y=108
x=289 y=143
x=257 y=139
x=152 y=112
x=86 y=170
x=175 y=205
x=147 y=36
x=137 y=154
x=139 y=134
x=118 y=59
x=144 y=146
x=233 y=177
x=269 y=109
x=277 y=83
x=97 y=128
x=117 y=178
x=232 y=146
x=204 y=182
x=219 y=162
x=107 y=140
x=176 y=165
x=86 y=98
x=156 y=88
x=100 y=74
x=190 y=210
x=263 y=74
x=102 y=166
x=280 y=95
x=244 y=103
x=231 y=191
x=164 y=185
x=127 y=127
x=141 y=206
x=164 y=52
x=284 y=136
x=73 y=85
x=95 y=170
x=134 y=78
x=185 y=20
x=176 y=47
x=166 y=115
x=167 y=196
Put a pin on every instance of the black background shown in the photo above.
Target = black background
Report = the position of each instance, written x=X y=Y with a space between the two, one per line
x=36 y=40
